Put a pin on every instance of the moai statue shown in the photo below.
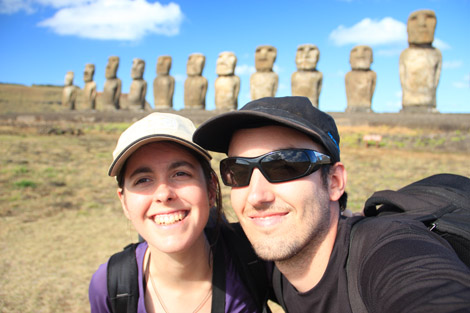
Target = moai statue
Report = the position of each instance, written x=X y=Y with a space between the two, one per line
x=90 y=86
x=360 y=81
x=227 y=85
x=112 y=85
x=138 y=90
x=263 y=83
x=69 y=94
x=420 y=64
x=195 y=86
x=307 y=81
x=163 y=84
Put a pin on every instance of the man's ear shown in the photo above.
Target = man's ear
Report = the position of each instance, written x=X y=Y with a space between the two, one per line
x=122 y=197
x=337 y=181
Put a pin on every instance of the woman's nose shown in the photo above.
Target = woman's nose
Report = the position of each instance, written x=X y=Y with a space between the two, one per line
x=164 y=193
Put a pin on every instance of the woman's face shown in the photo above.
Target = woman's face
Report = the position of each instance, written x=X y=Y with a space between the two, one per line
x=165 y=196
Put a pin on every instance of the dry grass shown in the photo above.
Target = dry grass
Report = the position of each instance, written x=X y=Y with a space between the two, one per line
x=60 y=217
x=24 y=99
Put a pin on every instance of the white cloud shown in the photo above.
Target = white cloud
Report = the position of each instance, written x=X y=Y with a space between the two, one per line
x=113 y=19
x=390 y=52
x=244 y=69
x=371 y=32
x=180 y=78
x=452 y=64
x=63 y=3
x=464 y=83
x=29 y=6
x=13 y=6
x=283 y=87
x=441 y=45
x=277 y=69
x=340 y=73
x=393 y=104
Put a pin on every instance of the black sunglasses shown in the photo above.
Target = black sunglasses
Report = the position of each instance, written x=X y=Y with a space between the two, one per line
x=276 y=166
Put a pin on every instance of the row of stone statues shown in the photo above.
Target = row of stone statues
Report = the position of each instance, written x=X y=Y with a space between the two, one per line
x=419 y=69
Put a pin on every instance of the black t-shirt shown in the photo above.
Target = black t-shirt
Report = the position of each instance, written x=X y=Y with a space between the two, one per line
x=408 y=274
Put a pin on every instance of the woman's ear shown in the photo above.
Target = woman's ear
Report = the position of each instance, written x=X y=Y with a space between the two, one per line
x=337 y=181
x=212 y=192
x=122 y=198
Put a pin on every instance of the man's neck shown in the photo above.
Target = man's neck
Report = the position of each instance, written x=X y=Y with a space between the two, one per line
x=306 y=269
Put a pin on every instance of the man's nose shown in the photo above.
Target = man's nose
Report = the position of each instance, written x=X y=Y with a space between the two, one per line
x=260 y=189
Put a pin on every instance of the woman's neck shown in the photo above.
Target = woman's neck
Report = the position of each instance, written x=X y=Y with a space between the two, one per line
x=179 y=282
x=191 y=265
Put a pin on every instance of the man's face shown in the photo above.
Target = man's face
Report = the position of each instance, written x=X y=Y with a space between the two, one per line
x=280 y=219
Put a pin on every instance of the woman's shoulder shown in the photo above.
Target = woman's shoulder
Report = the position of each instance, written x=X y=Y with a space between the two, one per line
x=98 y=288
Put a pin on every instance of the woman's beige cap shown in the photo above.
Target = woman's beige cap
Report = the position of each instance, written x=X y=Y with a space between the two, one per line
x=154 y=127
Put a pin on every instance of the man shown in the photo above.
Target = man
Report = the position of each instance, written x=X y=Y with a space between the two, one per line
x=288 y=189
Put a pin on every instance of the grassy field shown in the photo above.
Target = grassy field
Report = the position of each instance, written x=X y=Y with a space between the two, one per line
x=60 y=216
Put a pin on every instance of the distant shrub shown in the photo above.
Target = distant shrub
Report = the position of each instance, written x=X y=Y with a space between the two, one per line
x=24 y=183
x=21 y=170
x=47 y=85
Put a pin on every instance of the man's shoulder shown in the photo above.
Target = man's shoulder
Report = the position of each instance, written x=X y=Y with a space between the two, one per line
x=401 y=257
x=374 y=232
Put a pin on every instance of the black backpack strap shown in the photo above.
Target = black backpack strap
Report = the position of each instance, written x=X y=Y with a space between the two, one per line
x=218 y=278
x=398 y=202
x=252 y=270
x=123 y=281
x=357 y=239
x=277 y=286
x=430 y=195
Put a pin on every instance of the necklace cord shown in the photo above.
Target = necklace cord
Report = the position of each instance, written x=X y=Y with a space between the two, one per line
x=160 y=300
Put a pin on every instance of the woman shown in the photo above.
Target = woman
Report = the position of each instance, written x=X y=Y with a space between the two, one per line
x=166 y=187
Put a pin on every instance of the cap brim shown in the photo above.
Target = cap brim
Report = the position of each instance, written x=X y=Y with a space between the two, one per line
x=127 y=152
x=215 y=134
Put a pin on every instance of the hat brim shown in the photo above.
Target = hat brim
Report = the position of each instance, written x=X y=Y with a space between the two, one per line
x=119 y=161
x=215 y=134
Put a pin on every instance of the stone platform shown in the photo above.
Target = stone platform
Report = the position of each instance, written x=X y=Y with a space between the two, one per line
x=445 y=122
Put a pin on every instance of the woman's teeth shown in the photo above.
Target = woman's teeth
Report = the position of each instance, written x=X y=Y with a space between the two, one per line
x=167 y=219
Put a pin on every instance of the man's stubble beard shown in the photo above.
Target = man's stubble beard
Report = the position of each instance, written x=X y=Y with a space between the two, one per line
x=296 y=247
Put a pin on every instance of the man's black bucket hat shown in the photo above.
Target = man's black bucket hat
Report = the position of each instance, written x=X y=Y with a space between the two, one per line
x=293 y=112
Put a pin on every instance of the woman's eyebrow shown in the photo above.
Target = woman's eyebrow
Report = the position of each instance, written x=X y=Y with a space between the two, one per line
x=177 y=164
x=173 y=165
x=139 y=170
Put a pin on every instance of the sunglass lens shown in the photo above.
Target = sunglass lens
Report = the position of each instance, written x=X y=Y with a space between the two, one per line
x=285 y=165
x=235 y=172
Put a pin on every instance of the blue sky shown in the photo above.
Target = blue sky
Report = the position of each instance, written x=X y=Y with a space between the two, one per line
x=43 y=39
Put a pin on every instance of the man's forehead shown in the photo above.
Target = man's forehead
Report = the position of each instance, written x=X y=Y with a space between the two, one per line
x=275 y=136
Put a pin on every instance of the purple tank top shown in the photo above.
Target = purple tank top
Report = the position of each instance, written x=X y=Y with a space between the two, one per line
x=237 y=298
